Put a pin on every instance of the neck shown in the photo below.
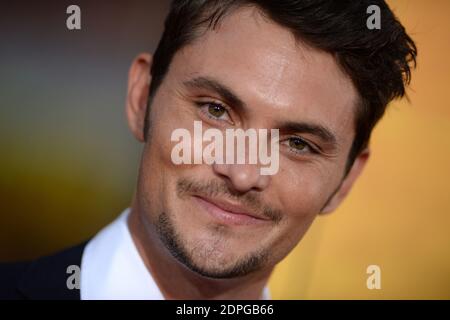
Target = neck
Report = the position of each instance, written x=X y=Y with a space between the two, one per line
x=176 y=281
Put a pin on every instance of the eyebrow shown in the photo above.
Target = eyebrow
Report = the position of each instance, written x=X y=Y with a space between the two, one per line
x=215 y=86
x=231 y=98
x=326 y=135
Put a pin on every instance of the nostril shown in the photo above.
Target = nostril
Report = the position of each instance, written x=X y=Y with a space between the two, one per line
x=242 y=178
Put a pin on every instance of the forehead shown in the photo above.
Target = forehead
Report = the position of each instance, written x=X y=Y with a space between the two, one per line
x=274 y=74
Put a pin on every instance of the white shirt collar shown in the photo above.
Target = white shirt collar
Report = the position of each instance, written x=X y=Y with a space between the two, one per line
x=111 y=267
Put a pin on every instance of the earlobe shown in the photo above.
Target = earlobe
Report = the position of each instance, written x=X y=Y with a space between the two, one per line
x=347 y=182
x=139 y=79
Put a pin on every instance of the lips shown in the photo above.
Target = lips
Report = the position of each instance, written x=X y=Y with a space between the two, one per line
x=229 y=213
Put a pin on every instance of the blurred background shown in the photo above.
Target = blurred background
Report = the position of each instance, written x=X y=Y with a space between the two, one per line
x=68 y=163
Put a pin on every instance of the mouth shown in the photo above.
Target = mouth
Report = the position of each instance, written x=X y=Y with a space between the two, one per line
x=229 y=213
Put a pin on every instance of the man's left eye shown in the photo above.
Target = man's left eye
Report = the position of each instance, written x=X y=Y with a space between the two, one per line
x=215 y=111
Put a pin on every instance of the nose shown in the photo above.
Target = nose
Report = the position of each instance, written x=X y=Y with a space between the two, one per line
x=242 y=177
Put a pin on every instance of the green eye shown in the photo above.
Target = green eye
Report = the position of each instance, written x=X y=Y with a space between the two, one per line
x=298 y=144
x=216 y=110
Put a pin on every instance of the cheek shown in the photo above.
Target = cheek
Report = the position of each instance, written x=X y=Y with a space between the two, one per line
x=156 y=163
x=303 y=188
x=167 y=116
x=302 y=192
x=159 y=173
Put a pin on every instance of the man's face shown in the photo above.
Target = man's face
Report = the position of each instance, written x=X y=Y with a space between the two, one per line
x=281 y=84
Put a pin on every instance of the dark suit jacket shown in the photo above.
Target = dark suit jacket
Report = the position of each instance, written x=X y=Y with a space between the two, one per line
x=43 y=279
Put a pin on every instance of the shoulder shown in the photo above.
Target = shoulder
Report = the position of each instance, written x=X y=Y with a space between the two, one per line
x=44 y=278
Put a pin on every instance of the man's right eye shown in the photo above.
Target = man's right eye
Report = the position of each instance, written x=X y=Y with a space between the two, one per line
x=216 y=110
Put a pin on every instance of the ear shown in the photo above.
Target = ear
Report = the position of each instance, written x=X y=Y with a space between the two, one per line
x=137 y=94
x=347 y=183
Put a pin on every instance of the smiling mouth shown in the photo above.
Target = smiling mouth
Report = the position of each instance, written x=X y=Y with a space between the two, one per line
x=227 y=213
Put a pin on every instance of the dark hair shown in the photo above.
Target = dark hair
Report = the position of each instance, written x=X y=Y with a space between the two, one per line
x=378 y=61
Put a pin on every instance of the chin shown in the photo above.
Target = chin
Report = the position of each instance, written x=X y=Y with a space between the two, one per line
x=238 y=268
x=215 y=258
